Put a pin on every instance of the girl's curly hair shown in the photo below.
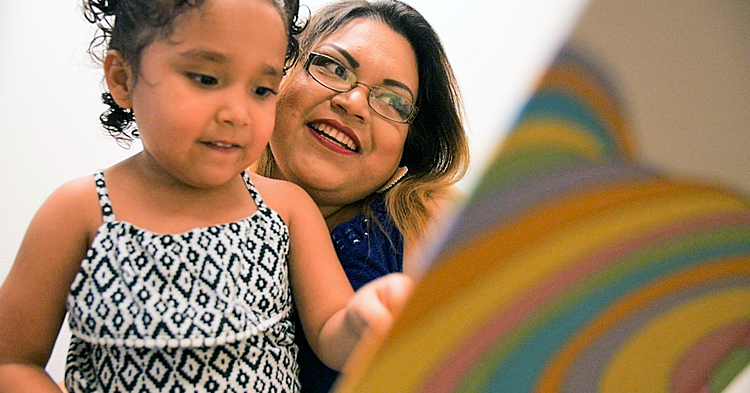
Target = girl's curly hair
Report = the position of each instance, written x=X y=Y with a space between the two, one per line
x=128 y=26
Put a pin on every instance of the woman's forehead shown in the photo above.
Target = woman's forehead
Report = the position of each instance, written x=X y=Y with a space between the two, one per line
x=372 y=45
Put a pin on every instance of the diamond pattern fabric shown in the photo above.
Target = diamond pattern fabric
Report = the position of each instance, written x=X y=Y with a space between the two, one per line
x=205 y=310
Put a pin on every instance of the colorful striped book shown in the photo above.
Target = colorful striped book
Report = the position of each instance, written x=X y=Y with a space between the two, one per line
x=574 y=267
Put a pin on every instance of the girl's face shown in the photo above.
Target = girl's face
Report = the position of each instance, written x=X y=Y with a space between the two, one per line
x=206 y=95
x=335 y=145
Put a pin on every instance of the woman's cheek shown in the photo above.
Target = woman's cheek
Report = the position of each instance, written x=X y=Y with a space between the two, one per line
x=285 y=115
x=293 y=101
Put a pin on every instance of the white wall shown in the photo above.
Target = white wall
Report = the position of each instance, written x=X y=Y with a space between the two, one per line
x=49 y=90
x=48 y=116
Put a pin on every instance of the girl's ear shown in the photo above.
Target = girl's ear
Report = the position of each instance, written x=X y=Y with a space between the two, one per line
x=119 y=77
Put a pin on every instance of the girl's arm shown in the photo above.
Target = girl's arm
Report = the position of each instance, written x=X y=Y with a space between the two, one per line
x=32 y=298
x=333 y=317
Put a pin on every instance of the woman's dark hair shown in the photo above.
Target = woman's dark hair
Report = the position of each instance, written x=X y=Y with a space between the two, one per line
x=129 y=26
x=436 y=149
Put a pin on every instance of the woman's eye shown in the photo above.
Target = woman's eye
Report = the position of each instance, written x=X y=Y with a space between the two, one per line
x=336 y=69
x=201 y=79
x=340 y=71
x=394 y=100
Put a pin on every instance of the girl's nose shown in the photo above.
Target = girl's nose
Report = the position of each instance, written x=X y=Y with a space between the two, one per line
x=235 y=110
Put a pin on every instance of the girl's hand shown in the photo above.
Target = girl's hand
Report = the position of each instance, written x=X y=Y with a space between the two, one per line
x=374 y=307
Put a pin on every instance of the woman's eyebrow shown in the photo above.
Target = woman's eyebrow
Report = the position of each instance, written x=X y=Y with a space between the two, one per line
x=395 y=83
x=349 y=58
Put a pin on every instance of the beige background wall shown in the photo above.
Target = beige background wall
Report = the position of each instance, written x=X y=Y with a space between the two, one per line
x=684 y=71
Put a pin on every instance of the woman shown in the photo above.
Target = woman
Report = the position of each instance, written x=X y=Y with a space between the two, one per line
x=369 y=124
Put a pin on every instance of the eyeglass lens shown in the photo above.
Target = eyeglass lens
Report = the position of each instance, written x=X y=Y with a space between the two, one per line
x=335 y=76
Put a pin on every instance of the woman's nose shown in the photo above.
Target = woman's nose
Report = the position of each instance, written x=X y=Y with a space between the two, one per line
x=354 y=102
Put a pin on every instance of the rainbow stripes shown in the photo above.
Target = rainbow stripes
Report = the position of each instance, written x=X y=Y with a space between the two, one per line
x=573 y=269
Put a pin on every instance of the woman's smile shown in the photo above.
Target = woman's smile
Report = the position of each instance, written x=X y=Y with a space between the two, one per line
x=332 y=132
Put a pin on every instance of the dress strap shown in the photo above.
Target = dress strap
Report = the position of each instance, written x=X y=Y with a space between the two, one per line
x=254 y=192
x=104 y=202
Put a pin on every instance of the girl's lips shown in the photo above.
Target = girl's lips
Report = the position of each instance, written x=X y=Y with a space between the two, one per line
x=335 y=134
x=221 y=146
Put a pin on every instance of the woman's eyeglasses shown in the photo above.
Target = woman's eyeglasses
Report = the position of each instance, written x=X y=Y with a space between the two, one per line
x=330 y=73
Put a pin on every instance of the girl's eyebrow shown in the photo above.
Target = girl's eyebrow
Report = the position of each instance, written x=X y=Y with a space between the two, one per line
x=219 y=58
x=203 y=54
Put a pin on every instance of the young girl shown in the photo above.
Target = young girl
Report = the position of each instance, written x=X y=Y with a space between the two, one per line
x=173 y=263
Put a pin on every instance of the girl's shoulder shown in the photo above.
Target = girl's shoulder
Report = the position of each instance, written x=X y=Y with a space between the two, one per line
x=76 y=202
x=78 y=195
x=284 y=197
x=274 y=188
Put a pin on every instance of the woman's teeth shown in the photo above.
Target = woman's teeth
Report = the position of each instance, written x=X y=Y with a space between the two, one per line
x=335 y=136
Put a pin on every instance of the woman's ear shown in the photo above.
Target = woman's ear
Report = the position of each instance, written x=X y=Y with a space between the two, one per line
x=120 y=78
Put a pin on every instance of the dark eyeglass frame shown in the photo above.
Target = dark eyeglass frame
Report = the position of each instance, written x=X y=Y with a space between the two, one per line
x=372 y=89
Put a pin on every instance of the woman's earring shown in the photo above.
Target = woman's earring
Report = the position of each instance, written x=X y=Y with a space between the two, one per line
x=400 y=173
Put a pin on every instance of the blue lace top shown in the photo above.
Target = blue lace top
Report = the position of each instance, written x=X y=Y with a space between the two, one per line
x=367 y=250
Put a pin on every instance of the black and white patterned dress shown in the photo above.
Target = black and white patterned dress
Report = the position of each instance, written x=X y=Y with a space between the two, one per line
x=207 y=310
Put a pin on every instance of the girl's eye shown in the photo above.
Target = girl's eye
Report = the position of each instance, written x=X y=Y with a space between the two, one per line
x=205 y=80
x=263 y=91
